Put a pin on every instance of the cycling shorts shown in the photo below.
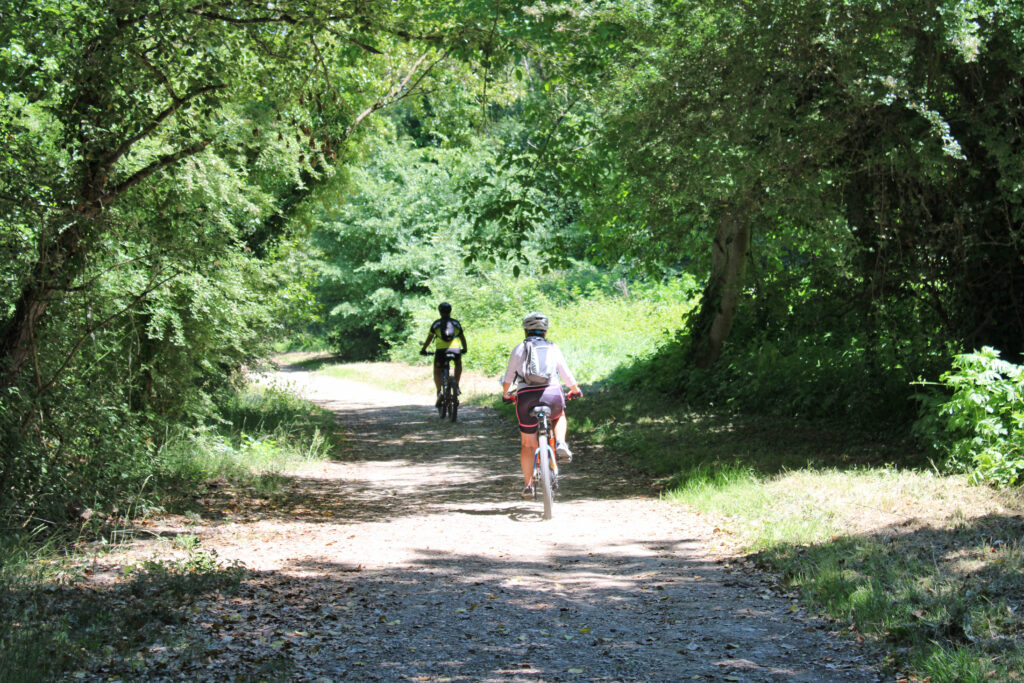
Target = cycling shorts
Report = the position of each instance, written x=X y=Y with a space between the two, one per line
x=529 y=397
x=440 y=355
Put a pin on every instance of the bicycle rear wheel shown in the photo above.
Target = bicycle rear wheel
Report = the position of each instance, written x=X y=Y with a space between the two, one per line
x=547 y=478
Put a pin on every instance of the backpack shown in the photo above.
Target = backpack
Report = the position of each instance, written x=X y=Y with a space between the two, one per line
x=539 y=366
x=447 y=329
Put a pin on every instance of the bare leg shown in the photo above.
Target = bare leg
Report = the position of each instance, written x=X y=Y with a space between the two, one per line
x=437 y=378
x=527 y=447
x=561 y=427
x=458 y=369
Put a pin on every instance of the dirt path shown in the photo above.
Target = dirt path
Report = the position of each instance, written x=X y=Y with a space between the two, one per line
x=417 y=560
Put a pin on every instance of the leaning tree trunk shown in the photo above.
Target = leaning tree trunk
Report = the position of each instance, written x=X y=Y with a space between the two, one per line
x=51 y=273
x=722 y=293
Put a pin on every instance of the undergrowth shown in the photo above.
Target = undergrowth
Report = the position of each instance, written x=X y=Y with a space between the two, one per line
x=52 y=620
x=927 y=564
x=262 y=431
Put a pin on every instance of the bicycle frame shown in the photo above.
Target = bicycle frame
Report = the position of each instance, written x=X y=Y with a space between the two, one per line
x=544 y=462
x=449 y=387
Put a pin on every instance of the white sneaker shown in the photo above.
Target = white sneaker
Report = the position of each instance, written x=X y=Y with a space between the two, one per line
x=563 y=452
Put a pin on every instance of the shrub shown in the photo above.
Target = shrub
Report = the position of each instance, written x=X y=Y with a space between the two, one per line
x=979 y=425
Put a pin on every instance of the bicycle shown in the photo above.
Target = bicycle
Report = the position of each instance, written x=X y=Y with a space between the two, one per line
x=545 y=466
x=448 y=405
x=545 y=462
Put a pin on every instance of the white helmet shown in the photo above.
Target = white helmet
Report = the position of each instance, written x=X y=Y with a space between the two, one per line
x=535 y=321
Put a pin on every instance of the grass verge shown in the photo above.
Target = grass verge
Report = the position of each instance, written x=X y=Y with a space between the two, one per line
x=926 y=564
x=54 y=621
x=263 y=430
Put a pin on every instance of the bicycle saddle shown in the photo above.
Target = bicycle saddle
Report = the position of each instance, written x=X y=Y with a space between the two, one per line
x=541 y=410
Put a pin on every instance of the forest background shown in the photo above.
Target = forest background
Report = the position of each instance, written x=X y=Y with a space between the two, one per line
x=799 y=209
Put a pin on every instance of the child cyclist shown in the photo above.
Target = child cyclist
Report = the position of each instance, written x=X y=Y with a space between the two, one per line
x=538 y=385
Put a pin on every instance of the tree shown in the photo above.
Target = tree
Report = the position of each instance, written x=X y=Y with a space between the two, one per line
x=867 y=135
x=156 y=151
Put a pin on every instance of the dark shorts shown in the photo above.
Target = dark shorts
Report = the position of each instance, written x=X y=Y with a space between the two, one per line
x=529 y=397
x=440 y=355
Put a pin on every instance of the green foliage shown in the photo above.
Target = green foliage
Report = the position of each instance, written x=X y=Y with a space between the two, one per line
x=978 y=425
x=425 y=219
x=851 y=162
x=397 y=226
x=120 y=388
x=159 y=162
x=602 y=320
x=811 y=354
x=261 y=431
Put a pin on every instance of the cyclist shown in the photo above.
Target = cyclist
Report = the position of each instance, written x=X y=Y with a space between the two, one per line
x=447 y=331
x=531 y=394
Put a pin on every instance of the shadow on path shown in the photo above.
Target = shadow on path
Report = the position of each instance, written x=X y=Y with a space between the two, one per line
x=401 y=459
x=413 y=558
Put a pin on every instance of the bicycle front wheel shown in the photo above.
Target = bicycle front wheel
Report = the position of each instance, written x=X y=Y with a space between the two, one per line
x=547 y=479
x=442 y=408
x=453 y=405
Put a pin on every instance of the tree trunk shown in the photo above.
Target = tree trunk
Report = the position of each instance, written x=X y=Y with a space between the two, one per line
x=722 y=293
x=49 y=275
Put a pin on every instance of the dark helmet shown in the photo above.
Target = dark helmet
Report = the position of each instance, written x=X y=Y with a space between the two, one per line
x=445 y=309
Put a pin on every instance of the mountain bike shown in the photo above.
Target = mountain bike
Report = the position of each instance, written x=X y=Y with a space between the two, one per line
x=545 y=467
x=448 y=403
x=545 y=459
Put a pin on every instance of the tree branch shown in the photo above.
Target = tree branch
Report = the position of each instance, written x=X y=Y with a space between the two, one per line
x=153 y=167
x=394 y=94
x=117 y=266
x=160 y=75
x=100 y=325
x=369 y=48
x=176 y=104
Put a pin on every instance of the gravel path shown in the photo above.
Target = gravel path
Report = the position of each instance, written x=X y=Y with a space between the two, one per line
x=416 y=560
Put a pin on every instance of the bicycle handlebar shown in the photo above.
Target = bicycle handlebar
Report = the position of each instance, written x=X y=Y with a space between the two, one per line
x=451 y=352
x=514 y=396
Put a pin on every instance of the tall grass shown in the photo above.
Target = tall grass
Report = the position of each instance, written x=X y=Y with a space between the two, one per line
x=601 y=320
x=263 y=430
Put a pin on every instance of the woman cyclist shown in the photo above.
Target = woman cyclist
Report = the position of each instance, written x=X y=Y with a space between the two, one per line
x=535 y=326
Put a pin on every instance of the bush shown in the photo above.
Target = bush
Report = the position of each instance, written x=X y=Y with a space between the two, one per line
x=979 y=425
x=812 y=357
